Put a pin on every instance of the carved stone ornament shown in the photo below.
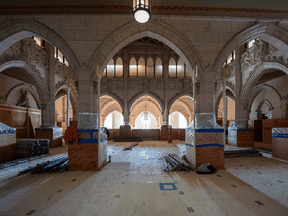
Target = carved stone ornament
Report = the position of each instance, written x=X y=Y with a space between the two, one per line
x=104 y=83
x=117 y=84
x=23 y=100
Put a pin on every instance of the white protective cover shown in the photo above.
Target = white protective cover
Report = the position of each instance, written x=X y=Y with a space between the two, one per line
x=280 y=130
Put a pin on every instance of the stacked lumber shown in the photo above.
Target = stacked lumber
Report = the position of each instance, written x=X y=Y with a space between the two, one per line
x=31 y=147
x=18 y=161
x=59 y=164
x=173 y=162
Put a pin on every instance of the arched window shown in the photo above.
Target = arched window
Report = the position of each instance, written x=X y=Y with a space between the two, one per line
x=119 y=67
x=180 y=68
x=150 y=67
x=133 y=67
x=158 y=67
x=110 y=68
x=172 y=68
x=141 y=67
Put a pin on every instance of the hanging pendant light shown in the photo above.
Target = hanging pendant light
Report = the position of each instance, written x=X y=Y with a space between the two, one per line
x=142 y=10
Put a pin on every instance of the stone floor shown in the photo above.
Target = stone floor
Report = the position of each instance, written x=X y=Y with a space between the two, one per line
x=130 y=186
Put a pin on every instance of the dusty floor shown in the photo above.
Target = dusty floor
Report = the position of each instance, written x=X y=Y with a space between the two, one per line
x=130 y=186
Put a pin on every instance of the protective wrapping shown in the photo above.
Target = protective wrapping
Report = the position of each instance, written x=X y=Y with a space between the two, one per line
x=7 y=135
x=88 y=121
x=102 y=148
x=280 y=130
x=57 y=132
x=240 y=124
x=204 y=121
x=5 y=129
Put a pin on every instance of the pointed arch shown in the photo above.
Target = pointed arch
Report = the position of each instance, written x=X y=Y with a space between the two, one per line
x=15 y=30
x=154 y=29
x=115 y=97
x=176 y=97
x=255 y=75
x=265 y=31
x=150 y=94
x=38 y=80
x=133 y=67
x=172 y=67
x=29 y=88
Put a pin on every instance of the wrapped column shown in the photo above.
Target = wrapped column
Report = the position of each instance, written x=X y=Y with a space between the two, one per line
x=280 y=143
x=241 y=134
x=7 y=143
x=208 y=146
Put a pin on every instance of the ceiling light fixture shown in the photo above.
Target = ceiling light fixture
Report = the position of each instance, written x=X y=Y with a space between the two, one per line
x=142 y=10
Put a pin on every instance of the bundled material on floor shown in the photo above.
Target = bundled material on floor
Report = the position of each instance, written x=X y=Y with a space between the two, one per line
x=59 y=164
x=31 y=147
x=242 y=153
x=19 y=161
x=206 y=168
x=130 y=147
x=128 y=139
x=173 y=162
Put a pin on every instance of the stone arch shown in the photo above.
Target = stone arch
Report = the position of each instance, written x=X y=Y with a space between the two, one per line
x=265 y=101
x=62 y=91
x=29 y=88
x=265 y=31
x=150 y=94
x=176 y=97
x=258 y=90
x=115 y=97
x=229 y=93
x=17 y=29
x=39 y=82
x=154 y=29
x=255 y=75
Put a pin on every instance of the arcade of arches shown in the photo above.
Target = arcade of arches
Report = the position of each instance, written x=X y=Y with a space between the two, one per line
x=86 y=67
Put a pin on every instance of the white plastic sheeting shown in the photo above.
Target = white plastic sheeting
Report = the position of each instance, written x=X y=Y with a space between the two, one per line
x=203 y=121
x=88 y=121
x=240 y=124
x=280 y=130
x=5 y=129
x=57 y=132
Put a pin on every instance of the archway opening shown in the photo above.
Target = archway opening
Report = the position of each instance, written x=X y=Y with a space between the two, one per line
x=177 y=120
x=145 y=113
x=61 y=110
x=181 y=112
x=110 y=113
x=114 y=120
x=230 y=110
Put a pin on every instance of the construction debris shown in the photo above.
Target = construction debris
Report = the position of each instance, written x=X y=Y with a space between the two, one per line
x=206 y=168
x=31 y=147
x=173 y=162
x=130 y=147
x=242 y=153
x=59 y=164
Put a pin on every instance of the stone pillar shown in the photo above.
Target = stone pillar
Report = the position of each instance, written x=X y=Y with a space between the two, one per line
x=125 y=130
x=164 y=134
x=284 y=109
x=89 y=154
x=240 y=133
x=68 y=75
x=48 y=129
x=205 y=97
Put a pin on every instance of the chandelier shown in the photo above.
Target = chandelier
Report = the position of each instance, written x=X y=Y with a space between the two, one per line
x=142 y=10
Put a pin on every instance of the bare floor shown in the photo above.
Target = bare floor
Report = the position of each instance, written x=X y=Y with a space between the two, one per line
x=130 y=186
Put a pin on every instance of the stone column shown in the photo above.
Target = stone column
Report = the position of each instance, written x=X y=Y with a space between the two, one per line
x=48 y=129
x=239 y=133
x=68 y=75
x=125 y=130
x=164 y=128
x=284 y=108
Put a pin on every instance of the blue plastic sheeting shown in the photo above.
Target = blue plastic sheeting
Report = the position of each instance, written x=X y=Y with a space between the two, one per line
x=210 y=130
x=172 y=184
x=5 y=129
x=279 y=135
x=209 y=145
